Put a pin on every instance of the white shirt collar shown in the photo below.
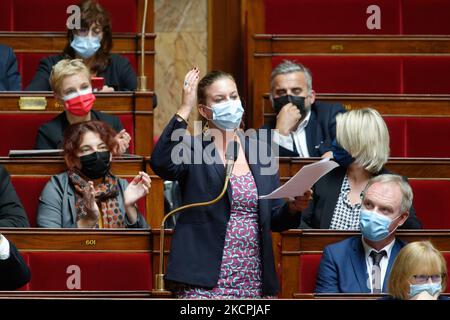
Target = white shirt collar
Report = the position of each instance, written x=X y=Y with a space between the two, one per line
x=368 y=249
x=302 y=125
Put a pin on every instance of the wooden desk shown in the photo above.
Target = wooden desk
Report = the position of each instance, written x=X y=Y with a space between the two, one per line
x=139 y=105
x=420 y=168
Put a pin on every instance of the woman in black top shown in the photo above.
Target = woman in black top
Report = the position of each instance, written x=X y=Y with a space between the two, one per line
x=92 y=43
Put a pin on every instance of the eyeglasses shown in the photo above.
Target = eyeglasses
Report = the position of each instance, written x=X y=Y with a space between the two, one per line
x=423 y=278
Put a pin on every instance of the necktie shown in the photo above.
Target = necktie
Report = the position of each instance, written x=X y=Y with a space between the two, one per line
x=376 y=270
x=295 y=150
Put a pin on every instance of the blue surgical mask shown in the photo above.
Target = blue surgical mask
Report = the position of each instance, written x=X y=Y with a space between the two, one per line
x=432 y=288
x=340 y=155
x=374 y=226
x=86 y=47
x=227 y=115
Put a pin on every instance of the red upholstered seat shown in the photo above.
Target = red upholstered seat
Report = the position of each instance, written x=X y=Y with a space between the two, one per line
x=419 y=136
x=426 y=17
x=329 y=16
x=98 y=271
x=22 y=128
x=426 y=75
x=339 y=74
x=397 y=135
x=6 y=15
x=447 y=259
x=308 y=267
x=428 y=137
x=28 y=190
x=434 y=214
x=53 y=15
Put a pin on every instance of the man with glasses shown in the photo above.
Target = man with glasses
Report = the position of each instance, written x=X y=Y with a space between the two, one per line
x=362 y=264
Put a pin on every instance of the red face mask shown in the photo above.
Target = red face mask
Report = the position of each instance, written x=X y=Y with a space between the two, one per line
x=79 y=104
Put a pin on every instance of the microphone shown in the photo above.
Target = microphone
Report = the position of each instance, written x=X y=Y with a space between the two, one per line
x=231 y=155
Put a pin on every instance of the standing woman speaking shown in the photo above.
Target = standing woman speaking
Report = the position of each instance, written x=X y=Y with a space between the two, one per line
x=222 y=250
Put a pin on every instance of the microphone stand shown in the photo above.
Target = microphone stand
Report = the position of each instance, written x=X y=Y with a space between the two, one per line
x=142 y=79
x=230 y=159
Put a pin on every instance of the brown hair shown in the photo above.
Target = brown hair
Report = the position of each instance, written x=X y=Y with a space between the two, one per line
x=413 y=256
x=93 y=13
x=207 y=81
x=74 y=134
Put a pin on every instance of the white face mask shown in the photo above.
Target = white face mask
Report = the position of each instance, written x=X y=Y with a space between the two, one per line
x=227 y=115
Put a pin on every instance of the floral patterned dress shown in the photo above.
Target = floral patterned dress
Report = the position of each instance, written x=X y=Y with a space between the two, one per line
x=240 y=272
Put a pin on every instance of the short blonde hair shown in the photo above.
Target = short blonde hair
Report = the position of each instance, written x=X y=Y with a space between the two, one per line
x=413 y=256
x=66 y=68
x=364 y=134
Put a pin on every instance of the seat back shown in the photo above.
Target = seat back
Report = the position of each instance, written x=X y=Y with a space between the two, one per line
x=433 y=214
x=308 y=267
x=29 y=189
x=20 y=15
x=108 y=271
x=344 y=74
x=419 y=136
x=329 y=17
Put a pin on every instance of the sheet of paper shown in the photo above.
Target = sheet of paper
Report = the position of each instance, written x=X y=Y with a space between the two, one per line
x=303 y=180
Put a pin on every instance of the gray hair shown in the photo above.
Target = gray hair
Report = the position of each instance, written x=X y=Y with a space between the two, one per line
x=407 y=194
x=288 y=66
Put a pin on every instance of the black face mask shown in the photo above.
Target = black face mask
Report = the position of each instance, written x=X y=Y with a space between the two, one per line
x=95 y=165
x=299 y=102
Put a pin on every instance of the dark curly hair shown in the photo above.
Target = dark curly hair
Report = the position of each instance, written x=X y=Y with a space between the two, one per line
x=73 y=136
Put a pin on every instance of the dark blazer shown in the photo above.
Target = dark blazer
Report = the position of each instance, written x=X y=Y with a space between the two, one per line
x=326 y=191
x=199 y=235
x=9 y=73
x=12 y=213
x=14 y=272
x=118 y=74
x=50 y=134
x=343 y=267
x=320 y=131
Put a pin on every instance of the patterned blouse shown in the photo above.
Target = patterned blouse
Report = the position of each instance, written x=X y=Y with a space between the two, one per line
x=346 y=215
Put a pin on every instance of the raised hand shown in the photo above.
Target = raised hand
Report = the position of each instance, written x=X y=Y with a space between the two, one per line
x=123 y=138
x=138 y=188
x=189 y=94
x=91 y=207
x=287 y=119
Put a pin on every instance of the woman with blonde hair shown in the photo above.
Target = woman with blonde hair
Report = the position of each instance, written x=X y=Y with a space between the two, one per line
x=71 y=84
x=361 y=149
x=419 y=273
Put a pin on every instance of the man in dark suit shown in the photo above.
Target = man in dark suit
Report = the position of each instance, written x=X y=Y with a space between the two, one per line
x=12 y=213
x=14 y=272
x=9 y=73
x=363 y=264
x=305 y=127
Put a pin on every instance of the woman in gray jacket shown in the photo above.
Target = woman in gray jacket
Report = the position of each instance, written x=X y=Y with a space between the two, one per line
x=87 y=195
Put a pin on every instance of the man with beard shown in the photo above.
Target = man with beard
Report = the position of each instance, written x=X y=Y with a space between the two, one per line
x=304 y=127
